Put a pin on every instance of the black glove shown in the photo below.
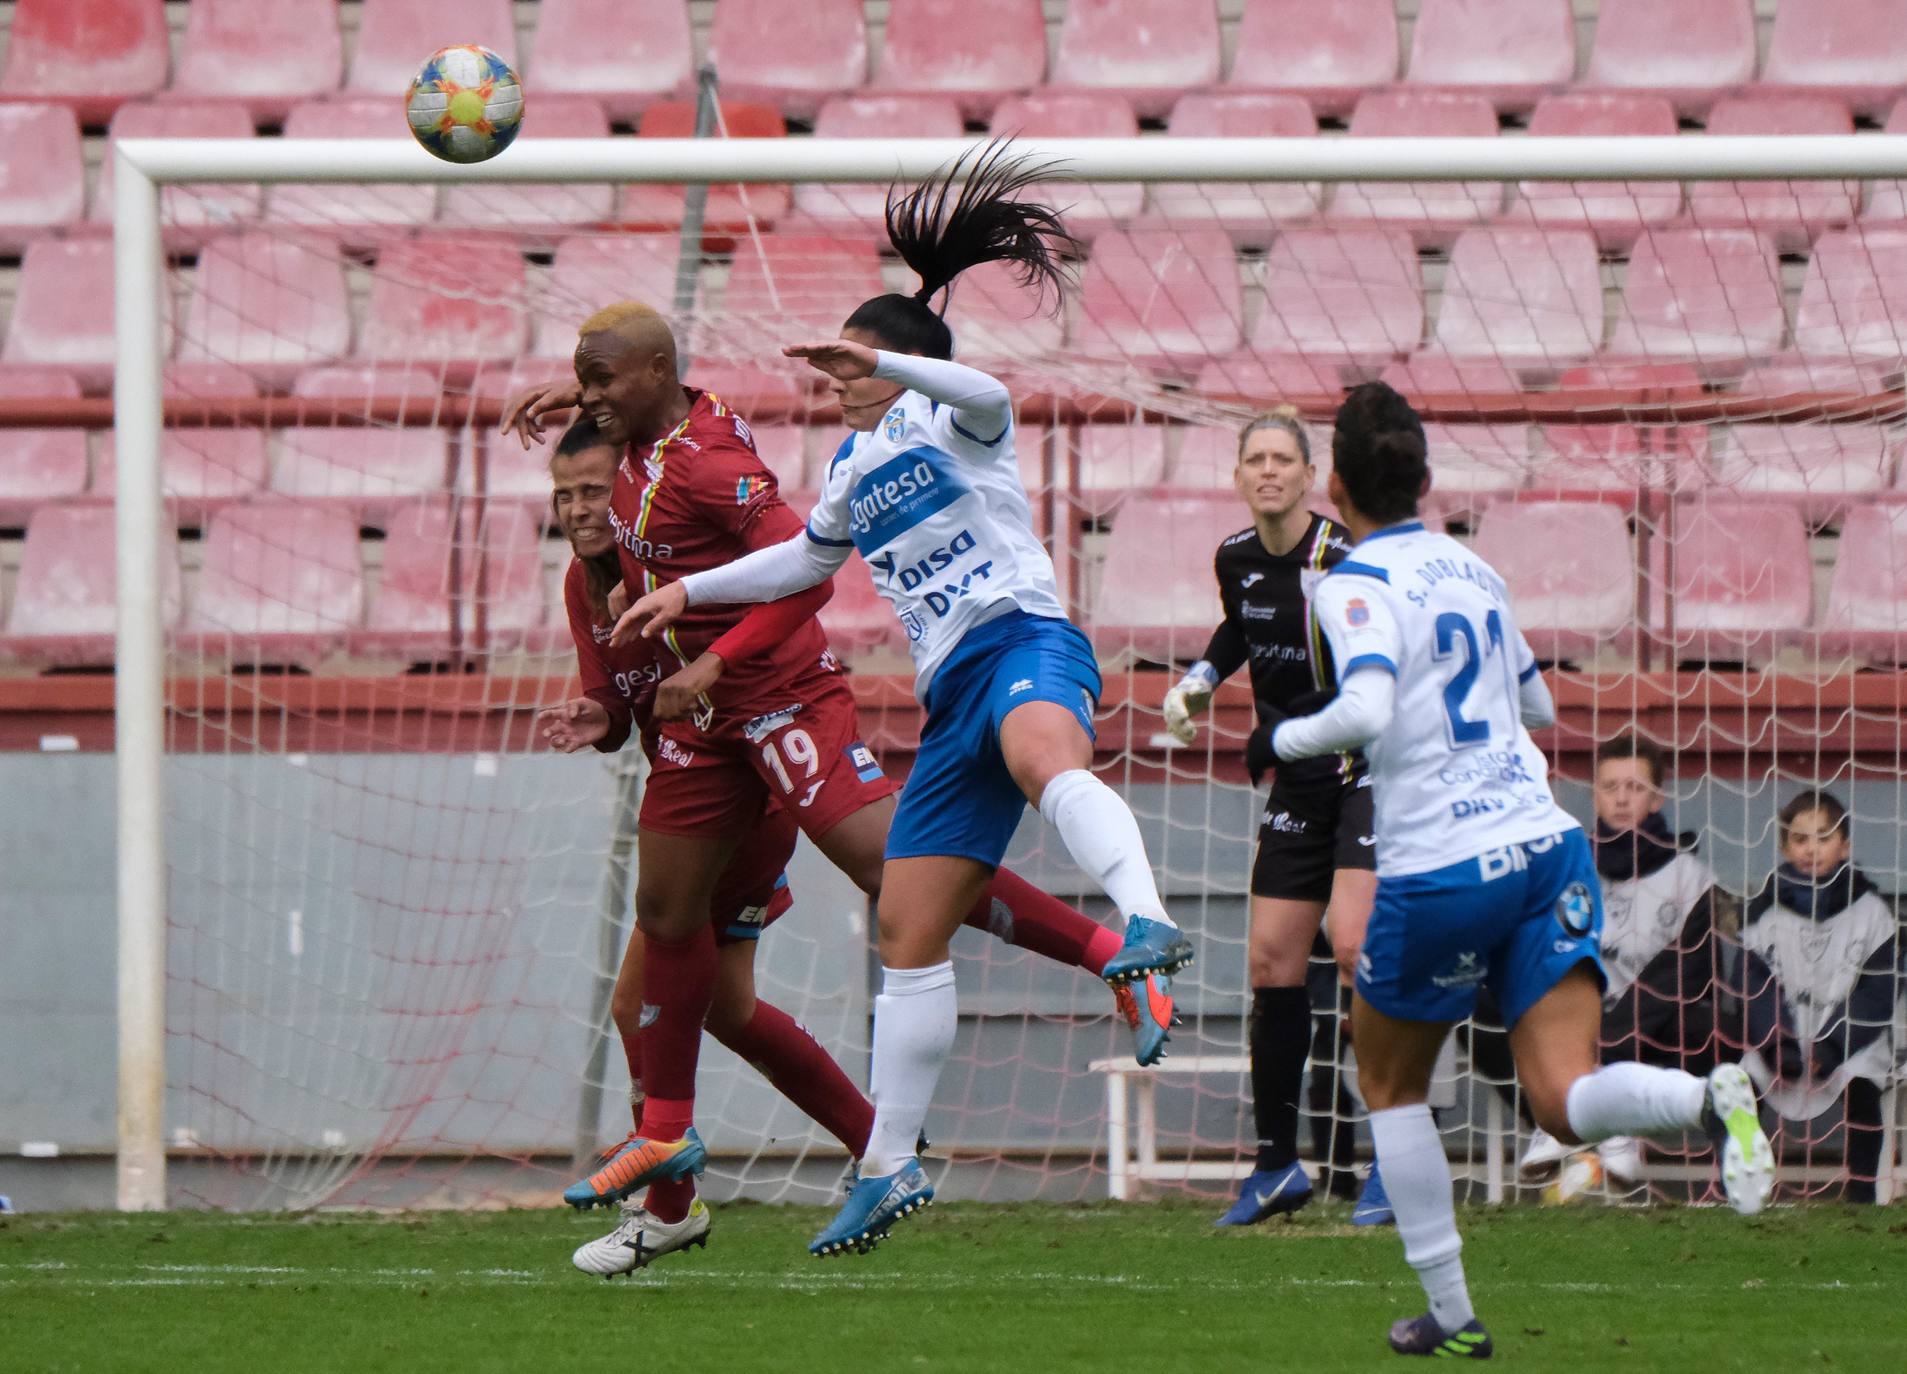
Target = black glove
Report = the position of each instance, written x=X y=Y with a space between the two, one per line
x=1259 y=755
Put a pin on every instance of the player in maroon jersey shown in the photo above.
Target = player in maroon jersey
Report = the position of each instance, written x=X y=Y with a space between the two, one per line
x=692 y=494
x=618 y=687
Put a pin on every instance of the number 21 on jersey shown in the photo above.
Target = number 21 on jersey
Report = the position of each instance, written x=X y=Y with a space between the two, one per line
x=1470 y=723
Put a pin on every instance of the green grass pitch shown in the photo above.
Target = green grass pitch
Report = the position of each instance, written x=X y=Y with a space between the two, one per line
x=978 y=1287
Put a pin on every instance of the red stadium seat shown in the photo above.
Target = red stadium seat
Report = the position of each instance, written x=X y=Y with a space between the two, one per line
x=1789 y=375
x=43 y=171
x=1570 y=570
x=1157 y=597
x=858 y=619
x=594 y=270
x=1328 y=54
x=1250 y=212
x=63 y=310
x=90 y=54
x=1433 y=210
x=1092 y=206
x=998 y=323
x=1821 y=469
x=188 y=213
x=1707 y=297
x=1792 y=213
x=784 y=451
x=498 y=580
x=65 y=602
x=267 y=303
x=279 y=583
x=512 y=474
x=627 y=54
x=358 y=216
x=395 y=36
x=1687 y=51
x=1207 y=460
x=730 y=209
x=1150 y=51
x=1853 y=50
x=1472 y=466
x=1436 y=374
x=1350 y=296
x=1854 y=298
x=1267 y=379
x=1867 y=594
x=1887 y=200
x=1509 y=51
x=1603 y=462
x=1738 y=580
x=200 y=469
x=1529 y=298
x=39 y=465
x=365 y=469
x=1616 y=211
x=871 y=116
x=445 y=300
x=977 y=51
x=793 y=57
x=1162 y=298
x=266 y=55
x=1114 y=462
x=537 y=214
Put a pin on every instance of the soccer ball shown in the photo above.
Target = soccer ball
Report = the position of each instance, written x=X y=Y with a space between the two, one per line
x=1580 y=1175
x=466 y=104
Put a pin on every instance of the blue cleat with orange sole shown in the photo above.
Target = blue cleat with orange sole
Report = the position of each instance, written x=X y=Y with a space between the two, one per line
x=637 y=1163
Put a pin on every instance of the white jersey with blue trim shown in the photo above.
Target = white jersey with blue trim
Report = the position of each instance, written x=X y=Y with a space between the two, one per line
x=942 y=520
x=1455 y=773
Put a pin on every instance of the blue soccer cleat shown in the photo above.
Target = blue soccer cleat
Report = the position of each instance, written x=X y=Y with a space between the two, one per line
x=1373 y=1204
x=873 y=1206
x=1266 y=1193
x=1150 y=947
x=1422 y=1336
x=1145 y=1004
x=637 y=1163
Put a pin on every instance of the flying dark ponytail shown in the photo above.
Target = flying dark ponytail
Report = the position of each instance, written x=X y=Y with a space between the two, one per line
x=944 y=226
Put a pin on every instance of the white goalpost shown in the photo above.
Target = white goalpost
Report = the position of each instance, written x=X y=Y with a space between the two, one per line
x=1842 y=727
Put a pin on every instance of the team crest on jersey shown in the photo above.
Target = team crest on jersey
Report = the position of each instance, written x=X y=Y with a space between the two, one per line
x=1576 y=910
x=894 y=425
x=912 y=623
x=1356 y=613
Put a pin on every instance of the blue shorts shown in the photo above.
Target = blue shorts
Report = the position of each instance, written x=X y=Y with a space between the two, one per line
x=1514 y=919
x=960 y=800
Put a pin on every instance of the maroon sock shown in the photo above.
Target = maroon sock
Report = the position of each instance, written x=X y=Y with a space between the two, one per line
x=806 y=1074
x=664 y=1119
x=678 y=981
x=1015 y=911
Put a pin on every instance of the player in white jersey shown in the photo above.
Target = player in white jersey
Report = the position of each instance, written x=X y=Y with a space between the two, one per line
x=927 y=488
x=1482 y=880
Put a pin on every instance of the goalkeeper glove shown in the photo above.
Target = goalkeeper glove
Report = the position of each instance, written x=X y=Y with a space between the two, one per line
x=1259 y=754
x=1192 y=694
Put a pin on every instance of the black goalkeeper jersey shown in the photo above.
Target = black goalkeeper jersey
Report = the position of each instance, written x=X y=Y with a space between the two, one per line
x=1268 y=625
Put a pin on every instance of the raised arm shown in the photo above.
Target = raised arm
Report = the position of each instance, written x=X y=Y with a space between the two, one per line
x=981 y=405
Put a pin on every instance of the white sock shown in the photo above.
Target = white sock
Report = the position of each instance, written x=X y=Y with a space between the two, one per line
x=913 y=1033
x=1635 y=1099
x=1417 y=1180
x=1104 y=840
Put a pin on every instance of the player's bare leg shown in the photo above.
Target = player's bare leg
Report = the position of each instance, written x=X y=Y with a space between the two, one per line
x=1578 y=1103
x=1050 y=756
x=923 y=902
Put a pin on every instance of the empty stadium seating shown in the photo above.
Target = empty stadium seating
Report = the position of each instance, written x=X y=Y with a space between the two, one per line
x=1570 y=571
x=594 y=270
x=1111 y=463
x=1789 y=212
x=279 y=584
x=784 y=288
x=1329 y=54
x=1737 y=581
x=857 y=618
x=91 y=54
x=1472 y=466
x=783 y=448
x=793 y=57
x=363 y=470
x=63 y=310
x=395 y=36
x=1349 y=296
x=536 y=215
x=1250 y=213
x=1854 y=298
x=1149 y=51
x=1853 y=50
x=1529 y=299
x=997 y=322
x=269 y=304
x=1093 y=206
x=1615 y=211
x=42 y=170
x=1688 y=51
x=624 y=54
x=200 y=468
x=1707 y=297
x=977 y=51
x=496 y=578
x=1510 y=51
x=1866 y=613
x=38 y=465
x=729 y=209
x=1165 y=298
x=264 y=55
x=1156 y=591
x=1820 y=469
x=358 y=216
x=871 y=116
x=189 y=213
x=1433 y=210
x=1266 y=379
x=446 y=299
x=65 y=605
x=1887 y=200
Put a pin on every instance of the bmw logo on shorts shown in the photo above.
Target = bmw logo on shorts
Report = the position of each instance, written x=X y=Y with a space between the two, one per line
x=1576 y=910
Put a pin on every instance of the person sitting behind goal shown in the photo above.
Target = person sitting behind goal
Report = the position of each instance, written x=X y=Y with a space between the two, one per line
x=1821 y=984
x=1659 y=915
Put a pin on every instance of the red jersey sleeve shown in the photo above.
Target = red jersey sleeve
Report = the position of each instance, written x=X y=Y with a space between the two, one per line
x=771 y=623
x=592 y=666
x=734 y=486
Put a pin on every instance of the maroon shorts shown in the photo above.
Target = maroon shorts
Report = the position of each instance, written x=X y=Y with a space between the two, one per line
x=804 y=752
x=753 y=890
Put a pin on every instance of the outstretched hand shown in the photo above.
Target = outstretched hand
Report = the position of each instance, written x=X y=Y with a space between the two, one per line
x=576 y=724
x=523 y=413
x=841 y=360
x=651 y=615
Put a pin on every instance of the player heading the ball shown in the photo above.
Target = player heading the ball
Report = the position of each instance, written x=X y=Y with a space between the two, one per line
x=1482 y=879
x=927 y=488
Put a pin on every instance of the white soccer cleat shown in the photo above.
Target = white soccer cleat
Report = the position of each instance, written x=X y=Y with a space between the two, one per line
x=641 y=1240
x=1545 y=1152
x=1622 y=1159
x=1748 y=1161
